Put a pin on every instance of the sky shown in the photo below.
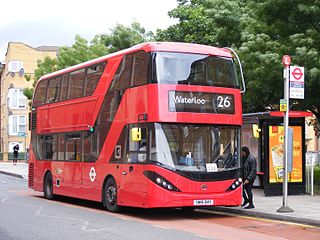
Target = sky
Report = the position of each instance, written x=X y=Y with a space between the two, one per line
x=55 y=23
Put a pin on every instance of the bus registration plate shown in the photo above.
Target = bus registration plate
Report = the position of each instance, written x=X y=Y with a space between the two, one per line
x=204 y=202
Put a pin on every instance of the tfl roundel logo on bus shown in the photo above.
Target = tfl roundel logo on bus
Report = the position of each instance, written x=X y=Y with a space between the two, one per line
x=92 y=174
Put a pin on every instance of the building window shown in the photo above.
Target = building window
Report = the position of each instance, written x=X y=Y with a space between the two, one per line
x=16 y=99
x=15 y=66
x=17 y=123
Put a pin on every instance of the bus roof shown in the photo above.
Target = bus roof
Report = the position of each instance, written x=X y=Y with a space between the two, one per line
x=151 y=47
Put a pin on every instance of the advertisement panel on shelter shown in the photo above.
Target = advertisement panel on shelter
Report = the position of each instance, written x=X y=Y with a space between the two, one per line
x=276 y=154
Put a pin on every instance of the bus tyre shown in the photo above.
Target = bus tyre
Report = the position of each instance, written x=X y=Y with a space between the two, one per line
x=110 y=196
x=48 y=187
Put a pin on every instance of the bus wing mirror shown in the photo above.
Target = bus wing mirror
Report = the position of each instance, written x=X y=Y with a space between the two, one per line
x=256 y=130
x=136 y=135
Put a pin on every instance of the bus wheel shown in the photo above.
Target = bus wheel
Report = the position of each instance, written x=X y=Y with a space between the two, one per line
x=47 y=187
x=110 y=196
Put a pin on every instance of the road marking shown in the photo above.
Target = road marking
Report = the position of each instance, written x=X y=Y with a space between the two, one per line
x=4 y=199
x=202 y=236
x=159 y=226
x=259 y=219
x=39 y=210
x=85 y=228
x=38 y=213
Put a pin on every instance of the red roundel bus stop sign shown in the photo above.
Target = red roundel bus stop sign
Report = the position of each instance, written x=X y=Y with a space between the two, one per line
x=296 y=82
x=297 y=74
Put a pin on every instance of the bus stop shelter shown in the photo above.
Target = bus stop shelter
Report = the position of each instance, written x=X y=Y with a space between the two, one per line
x=268 y=149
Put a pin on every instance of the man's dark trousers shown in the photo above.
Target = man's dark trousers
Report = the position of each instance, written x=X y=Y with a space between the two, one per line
x=247 y=193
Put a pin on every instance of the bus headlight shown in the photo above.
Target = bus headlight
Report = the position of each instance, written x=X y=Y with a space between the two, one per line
x=235 y=184
x=160 y=181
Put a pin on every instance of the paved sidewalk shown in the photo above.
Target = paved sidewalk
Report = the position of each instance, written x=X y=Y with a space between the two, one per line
x=19 y=170
x=306 y=208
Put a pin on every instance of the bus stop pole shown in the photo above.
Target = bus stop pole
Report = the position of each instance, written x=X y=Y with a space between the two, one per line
x=285 y=207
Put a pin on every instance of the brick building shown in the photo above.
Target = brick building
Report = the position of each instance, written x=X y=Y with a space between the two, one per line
x=20 y=59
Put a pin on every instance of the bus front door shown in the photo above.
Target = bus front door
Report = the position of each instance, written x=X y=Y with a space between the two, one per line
x=133 y=185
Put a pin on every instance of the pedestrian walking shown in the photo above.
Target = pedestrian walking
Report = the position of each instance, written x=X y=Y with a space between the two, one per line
x=249 y=167
x=15 y=154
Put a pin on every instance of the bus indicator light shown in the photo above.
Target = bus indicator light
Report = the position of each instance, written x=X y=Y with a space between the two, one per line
x=91 y=129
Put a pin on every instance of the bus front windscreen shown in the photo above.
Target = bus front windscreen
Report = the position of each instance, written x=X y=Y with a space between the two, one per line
x=195 y=69
x=195 y=148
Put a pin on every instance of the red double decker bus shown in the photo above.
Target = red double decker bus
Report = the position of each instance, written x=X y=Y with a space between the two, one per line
x=156 y=125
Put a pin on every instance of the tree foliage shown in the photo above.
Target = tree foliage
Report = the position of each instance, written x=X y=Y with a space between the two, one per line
x=210 y=22
x=121 y=37
x=45 y=66
x=80 y=51
x=261 y=32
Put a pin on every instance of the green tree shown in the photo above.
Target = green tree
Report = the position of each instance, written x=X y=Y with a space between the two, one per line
x=122 y=37
x=210 y=22
x=294 y=25
x=80 y=51
x=46 y=66
x=261 y=32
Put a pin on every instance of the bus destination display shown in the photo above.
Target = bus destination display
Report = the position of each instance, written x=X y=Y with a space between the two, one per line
x=201 y=102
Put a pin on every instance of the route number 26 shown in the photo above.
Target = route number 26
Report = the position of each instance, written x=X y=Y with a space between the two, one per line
x=223 y=102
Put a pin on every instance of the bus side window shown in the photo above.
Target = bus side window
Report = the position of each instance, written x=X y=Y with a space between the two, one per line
x=73 y=147
x=90 y=147
x=64 y=86
x=119 y=152
x=93 y=76
x=50 y=147
x=77 y=80
x=137 y=149
x=53 y=90
x=40 y=94
x=47 y=147
x=61 y=147
x=139 y=74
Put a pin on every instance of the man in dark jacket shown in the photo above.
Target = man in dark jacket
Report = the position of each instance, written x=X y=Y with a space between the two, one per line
x=249 y=174
x=15 y=153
